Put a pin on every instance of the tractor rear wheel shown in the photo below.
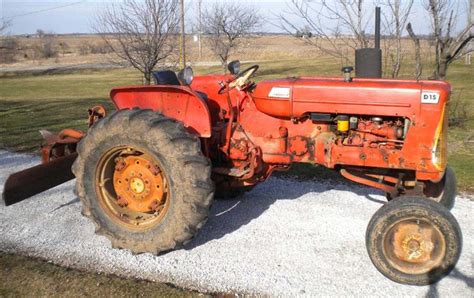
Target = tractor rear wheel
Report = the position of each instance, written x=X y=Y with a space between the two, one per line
x=414 y=240
x=143 y=180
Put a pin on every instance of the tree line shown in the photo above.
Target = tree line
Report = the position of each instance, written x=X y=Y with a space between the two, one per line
x=352 y=17
x=145 y=33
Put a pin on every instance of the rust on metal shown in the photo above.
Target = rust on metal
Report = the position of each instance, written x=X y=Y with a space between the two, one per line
x=132 y=187
x=59 y=145
x=138 y=184
x=27 y=183
x=95 y=114
x=57 y=155
x=414 y=246
x=365 y=179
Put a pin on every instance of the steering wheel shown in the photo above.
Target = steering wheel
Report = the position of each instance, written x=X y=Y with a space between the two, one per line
x=241 y=78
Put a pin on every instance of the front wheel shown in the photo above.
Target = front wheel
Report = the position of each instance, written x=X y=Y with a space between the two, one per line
x=444 y=191
x=414 y=241
x=143 y=180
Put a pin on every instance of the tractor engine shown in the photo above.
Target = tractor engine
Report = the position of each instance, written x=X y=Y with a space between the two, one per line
x=375 y=132
x=359 y=127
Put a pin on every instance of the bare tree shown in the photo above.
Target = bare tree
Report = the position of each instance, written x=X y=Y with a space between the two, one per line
x=199 y=25
x=141 y=32
x=4 y=25
x=331 y=22
x=64 y=47
x=416 y=40
x=8 y=45
x=395 y=21
x=447 y=48
x=40 y=33
x=182 y=36
x=47 y=45
x=226 y=23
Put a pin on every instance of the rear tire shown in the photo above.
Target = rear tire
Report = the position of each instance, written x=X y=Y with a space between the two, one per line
x=414 y=241
x=180 y=165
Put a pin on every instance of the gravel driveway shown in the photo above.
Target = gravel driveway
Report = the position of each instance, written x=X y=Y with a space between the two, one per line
x=283 y=238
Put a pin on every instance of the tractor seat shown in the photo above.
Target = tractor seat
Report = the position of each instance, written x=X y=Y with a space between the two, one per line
x=169 y=77
x=166 y=77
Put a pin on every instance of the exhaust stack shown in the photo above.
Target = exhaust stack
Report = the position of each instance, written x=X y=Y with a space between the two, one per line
x=368 y=61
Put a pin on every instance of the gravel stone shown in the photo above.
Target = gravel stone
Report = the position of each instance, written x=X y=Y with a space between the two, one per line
x=285 y=237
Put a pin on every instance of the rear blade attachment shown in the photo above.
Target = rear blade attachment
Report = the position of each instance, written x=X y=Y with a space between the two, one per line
x=24 y=184
x=57 y=155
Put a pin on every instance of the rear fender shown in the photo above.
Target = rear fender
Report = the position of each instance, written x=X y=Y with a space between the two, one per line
x=177 y=102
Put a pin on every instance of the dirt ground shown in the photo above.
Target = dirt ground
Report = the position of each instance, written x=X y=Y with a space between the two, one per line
x=45 y=279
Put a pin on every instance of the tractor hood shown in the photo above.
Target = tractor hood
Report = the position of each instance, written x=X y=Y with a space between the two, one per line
x=295 y=97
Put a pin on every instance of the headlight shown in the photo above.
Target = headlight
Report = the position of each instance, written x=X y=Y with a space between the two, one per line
x=186 y=75
x=440 y=144
x=234 y=67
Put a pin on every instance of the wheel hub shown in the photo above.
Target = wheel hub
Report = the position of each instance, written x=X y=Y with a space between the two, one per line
x=412 y=244
x=132 y=187
x=138 y=184
x=414 y=247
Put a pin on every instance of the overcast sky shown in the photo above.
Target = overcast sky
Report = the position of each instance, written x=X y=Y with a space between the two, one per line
x=76 y=16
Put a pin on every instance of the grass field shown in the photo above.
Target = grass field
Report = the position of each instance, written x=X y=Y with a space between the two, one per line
x=29 y=103
x=48 y=280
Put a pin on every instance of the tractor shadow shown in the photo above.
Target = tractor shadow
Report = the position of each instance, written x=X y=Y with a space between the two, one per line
x=227 y=216
x=455 y=274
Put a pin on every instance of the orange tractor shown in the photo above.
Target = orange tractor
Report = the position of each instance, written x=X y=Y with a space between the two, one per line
x=147 y=173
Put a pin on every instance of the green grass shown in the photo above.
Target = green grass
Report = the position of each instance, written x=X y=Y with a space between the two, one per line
x=29 y=277
x=53 y=102
x=29 y=103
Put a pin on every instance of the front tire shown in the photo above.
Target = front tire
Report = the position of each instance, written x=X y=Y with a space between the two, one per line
x=444 y=191
x=142 y=179
x=414 y=241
